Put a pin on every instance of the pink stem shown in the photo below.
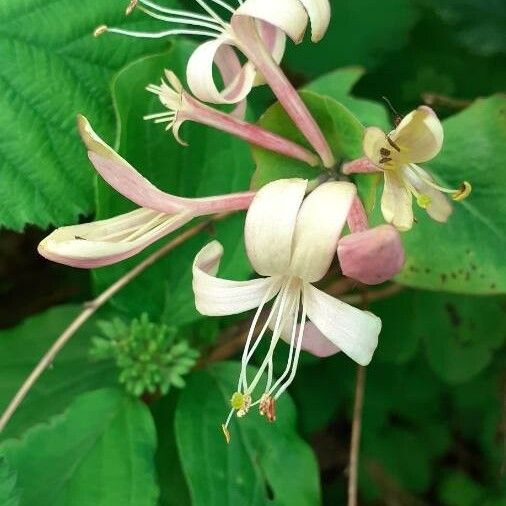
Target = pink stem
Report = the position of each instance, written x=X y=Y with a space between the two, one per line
x=357 y=217
x=253 y=47
x=253 y=134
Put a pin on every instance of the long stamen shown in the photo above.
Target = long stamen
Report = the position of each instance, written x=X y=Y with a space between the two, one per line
x=246 y=355
x=213 y=25
x=152 y=224
x=224 y=5
x=152 y=35
x=175 y=12
x=211 y=12
x=298 y=349
x=274 y=339
x=158 y=115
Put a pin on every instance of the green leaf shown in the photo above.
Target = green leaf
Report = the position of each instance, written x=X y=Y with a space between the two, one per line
x=342 y=130
x=9 y=495
x=51 y=71
x=466 y=254
x=213 y=164
x=71 y=374
x=338 y=85
x=100 y=451
x=263 y=461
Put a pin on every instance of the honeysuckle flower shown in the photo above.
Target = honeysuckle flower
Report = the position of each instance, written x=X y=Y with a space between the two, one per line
x=418 y=138
x=181 y=107
x=258 y=29
x=291 y=241
x=108 y=241
x=273 y=21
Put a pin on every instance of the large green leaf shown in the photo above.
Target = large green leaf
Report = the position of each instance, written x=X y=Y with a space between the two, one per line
x=466 y=253
x=338 y=85
x=9 y=495
x=71 y=373
x=52 y=68
x=342 y=130
x=213 y=164
x=263 y=464
x=100 y=451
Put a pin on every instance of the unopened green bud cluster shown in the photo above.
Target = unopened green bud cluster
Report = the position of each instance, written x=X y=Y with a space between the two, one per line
x=149 y=356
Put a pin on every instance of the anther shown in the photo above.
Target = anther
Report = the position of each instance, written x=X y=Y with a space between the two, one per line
x=267 y=407
x=385 y=152
x=423 y=200
x=226 y=433
x=131 y=6
x=393 y=144
x=99 y=30
x=463 y=191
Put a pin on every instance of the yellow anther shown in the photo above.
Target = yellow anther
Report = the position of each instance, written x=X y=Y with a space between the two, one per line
x=131 y=6
x=99 y=30
x=226 y=433
x=423 y=200
x=463 y=192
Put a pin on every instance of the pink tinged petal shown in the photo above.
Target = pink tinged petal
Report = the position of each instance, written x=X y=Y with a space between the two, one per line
x=439 y=207
x=252 y=46
x=321 y=219
x=199 y=74
x=357 y=217
x=217 y=297
x=270 y=225
x=287 y=15
x=396 y=202
x=374 y=140
x=359 y=166
x=319 y=16
x=127 y=181
x=352 y=330
x=316 y=343
x=372 y=256
x=420 y=133
x=109 y=241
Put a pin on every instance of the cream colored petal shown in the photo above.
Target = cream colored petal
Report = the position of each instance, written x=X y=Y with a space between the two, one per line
x=287 y=15
x=374 y=140
x=352 y=330
x=319 y=16
x=319 y=224
x=270 y=225
x=217 y=297
x=439 y=207
x=396 y=202
x=106 y=242
x=420 y=134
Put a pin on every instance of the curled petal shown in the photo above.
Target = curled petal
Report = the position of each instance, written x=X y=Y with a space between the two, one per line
x=420 y=133
x=270 y=225
x=109 y=241
x=217 y=297
x=360 y=166
x=371 y=256
x=199 y=73
x=352 y=330
x=319 y=223
x=396 y=202
x=287 y=15
x=437 y=205
x=319 y=16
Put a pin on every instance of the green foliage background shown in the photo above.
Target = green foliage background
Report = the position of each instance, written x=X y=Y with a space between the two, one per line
x=434 y=426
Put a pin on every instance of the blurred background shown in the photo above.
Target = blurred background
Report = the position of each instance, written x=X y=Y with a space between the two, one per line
x=434 y=422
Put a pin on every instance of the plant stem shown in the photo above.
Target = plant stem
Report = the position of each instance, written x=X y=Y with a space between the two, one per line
x=89 y=309
x=355 y=436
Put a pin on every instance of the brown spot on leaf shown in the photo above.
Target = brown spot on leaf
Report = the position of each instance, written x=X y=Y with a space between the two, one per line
x=453 y=314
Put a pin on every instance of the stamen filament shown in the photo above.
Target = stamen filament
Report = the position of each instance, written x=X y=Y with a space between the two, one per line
x=213 y=25
x=211 y=12
x=159 y=35
x=175 y=12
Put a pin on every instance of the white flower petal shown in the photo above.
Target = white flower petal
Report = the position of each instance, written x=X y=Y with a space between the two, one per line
x=420 y=134
x=105 y=242
x=217 y=297
x=396 y=202
x=374 y=140
x=287 y=15
x=319 y=15
x=270 y=225
x=439 y=207
x=352 y=330
x=199 y=74
x=319 y=224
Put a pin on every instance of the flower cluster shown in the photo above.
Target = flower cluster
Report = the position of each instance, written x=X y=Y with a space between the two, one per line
x=294 y=230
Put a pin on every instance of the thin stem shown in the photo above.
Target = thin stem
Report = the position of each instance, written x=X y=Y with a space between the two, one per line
x=87 y=312
x=355 y=436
